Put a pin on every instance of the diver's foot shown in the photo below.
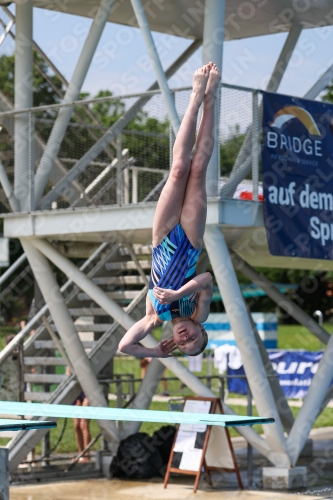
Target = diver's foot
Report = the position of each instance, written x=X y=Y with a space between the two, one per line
x=213 y=82
x=200 y=79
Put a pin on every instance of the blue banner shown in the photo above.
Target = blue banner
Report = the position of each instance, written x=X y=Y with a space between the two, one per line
x=295 y=370
x=297 y=163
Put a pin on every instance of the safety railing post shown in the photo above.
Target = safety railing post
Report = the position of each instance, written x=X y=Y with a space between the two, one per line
x=255 y=146
x=21 y=371
x=172 y=136
x=119 y=391
x=125 y=181
x=131 y=386
x=119 y=172
x=31 y=155
x=134 y=185
x=249 y=447
x=222 y=389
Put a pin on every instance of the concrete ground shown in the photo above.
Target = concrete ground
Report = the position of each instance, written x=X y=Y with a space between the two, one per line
x=319 y=466
x=103 y=489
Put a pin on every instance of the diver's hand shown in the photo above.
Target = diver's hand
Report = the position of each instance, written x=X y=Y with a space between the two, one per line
x=165 y=348
x=165 y=295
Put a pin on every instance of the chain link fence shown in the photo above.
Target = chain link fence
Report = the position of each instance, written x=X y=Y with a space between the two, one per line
x=99 y=163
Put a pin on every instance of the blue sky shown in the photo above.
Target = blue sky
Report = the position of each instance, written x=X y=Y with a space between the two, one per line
x=121 y=65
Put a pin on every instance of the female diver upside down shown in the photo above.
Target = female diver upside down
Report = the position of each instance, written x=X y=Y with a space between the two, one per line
x=176 y=293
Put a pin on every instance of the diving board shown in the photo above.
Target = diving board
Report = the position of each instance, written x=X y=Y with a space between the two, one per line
x=101 y=413
x=25 y=425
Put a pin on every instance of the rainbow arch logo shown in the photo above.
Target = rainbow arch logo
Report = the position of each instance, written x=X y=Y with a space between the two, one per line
x=290 y=112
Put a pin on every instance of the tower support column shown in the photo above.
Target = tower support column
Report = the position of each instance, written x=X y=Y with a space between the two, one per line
x=212 y=50
x=241 y=326
x=23 y=148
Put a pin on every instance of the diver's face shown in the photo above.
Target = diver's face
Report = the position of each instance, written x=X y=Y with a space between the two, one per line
x=187 y=335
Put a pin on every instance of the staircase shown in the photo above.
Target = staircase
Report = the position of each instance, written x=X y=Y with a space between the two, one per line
x=123 y=273
x=120 y=278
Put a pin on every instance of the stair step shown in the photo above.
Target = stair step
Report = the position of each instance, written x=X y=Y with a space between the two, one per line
x=87 y=311
x=117 y=266
x=88 y=327
x=49 y=344
x=121 y=295
x=120 y=280
x=138 y=250
x=44 y=378
x=92 y=327
x=42 y=397
x=44 y=361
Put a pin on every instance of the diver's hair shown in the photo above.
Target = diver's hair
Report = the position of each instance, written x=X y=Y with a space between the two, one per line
x=203 y=345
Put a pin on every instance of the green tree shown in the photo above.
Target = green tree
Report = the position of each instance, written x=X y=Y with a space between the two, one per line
x=229 y=150
x=329 y=93
x=43 y=92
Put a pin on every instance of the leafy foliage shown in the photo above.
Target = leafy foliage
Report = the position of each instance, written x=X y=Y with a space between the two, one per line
x=43 y=92
x=329 y=93
x=229 y=150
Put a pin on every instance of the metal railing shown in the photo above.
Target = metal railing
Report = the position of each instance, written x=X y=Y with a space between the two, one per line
x=126 y=152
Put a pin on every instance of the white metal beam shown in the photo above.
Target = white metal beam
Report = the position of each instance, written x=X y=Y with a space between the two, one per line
x=284 y=58
x=8 y=190
x=242 y=166
x=23 y=147
x=12 y=268
x=311 y=404
x=122 y=221
x=320 y=85
x=238 y=315
x=20 y=337
x=6 y=31
x=281 y=300
x=72 y=94
x=212 y=50
x=283 y=408
x=156 y=63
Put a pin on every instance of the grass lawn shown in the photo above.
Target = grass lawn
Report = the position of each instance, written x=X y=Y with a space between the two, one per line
x=299 y=337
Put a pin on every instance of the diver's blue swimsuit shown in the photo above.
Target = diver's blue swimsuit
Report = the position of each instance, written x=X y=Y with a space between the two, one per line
x=173 y=265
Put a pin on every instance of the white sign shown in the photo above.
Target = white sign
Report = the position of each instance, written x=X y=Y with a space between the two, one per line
x=195 y=406
x=191 y=460
x=185 y=441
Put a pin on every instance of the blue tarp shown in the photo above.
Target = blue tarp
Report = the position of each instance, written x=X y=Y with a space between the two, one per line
x=295 y=370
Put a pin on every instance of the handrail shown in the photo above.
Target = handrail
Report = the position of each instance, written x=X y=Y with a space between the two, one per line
x=12 y=268
x=85 y=102
x=18 y=339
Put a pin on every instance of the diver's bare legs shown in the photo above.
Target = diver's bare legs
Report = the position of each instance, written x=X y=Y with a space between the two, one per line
x=194 y=210
x=171 y=200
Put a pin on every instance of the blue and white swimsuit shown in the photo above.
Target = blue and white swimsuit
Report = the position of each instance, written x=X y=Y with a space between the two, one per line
x=173 y=265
